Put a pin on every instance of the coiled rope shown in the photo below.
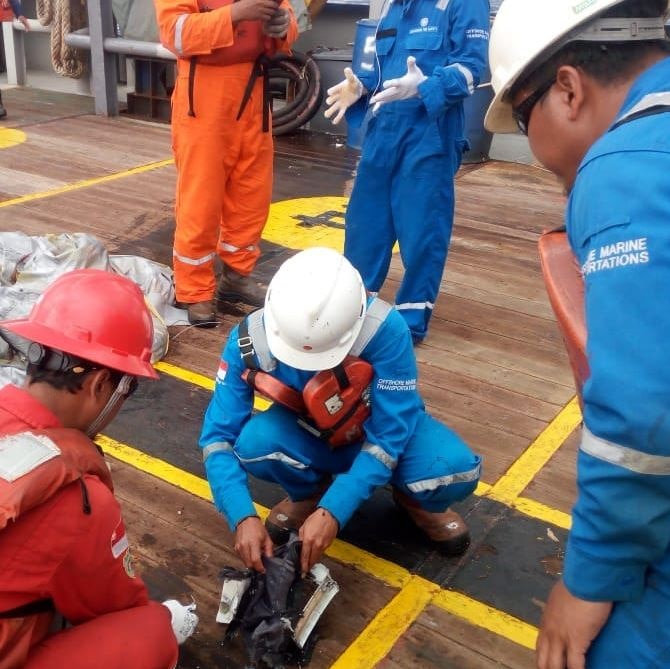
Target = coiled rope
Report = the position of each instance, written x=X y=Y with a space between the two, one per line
x=64 y=16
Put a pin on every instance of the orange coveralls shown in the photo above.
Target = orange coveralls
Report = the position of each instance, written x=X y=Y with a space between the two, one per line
x=224 y=165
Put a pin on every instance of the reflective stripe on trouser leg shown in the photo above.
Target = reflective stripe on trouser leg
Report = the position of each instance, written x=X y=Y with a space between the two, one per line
x=273 y=447
x=437 y=467
x=246 y=201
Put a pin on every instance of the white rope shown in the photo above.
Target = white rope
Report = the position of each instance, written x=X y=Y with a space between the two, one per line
x=64 y=16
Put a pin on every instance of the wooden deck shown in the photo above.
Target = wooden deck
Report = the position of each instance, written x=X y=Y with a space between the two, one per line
x=493 y=367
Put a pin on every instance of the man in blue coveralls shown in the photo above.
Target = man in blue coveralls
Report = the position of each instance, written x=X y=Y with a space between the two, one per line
x=589 y=83
x=317 y=316
x=430 y=56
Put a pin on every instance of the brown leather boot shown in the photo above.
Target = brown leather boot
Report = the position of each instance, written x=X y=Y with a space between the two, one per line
x=446 y=529
x=235 y=287
x=202 y=314
x=288 y=515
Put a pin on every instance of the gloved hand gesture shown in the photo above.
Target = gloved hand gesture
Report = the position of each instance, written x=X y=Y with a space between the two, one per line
x=343 y=95
x=403 y=88
x=277 y=26
x=184 y=620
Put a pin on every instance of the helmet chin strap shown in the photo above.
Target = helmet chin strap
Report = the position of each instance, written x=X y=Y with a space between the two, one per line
x=119 y=394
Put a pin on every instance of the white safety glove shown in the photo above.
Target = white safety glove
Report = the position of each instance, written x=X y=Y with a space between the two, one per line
x=277 y=26
x=184 y=620
x=403 y=88
x=343 y=95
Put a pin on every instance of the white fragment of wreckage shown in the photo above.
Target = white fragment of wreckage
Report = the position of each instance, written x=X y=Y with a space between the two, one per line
x=326 y=588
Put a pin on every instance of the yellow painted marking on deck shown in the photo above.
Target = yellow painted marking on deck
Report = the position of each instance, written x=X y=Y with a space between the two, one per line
x=487 y=617
x=539 y=511
x=525 y=468
x=389 y=572
x=376 y=641
x=86 y=183
x=159 y=468
x=205 y=382
x=11 y=137
x=304 y=222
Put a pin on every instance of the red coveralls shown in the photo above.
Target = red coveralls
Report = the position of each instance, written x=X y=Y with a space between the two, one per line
x=81 y=563
x=224 y=165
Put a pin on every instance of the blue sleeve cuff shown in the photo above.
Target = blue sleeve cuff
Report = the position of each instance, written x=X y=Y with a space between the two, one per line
x=598 y=581
x=348 y=491
x=227 y=482
x=432 y=96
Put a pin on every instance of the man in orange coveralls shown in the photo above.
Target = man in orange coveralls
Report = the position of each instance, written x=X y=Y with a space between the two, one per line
x=63 y=546
x=222 y=142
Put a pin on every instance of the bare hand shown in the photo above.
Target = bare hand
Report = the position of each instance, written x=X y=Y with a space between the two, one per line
x=253 y=10
x=277 y=26
x=316 y=534
x=252 y=541
x=569 y=626
x=25 y=22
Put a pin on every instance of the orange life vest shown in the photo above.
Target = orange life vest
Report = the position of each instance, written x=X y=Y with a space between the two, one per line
x=333 y=405
x=35 y=465
x=249 y=40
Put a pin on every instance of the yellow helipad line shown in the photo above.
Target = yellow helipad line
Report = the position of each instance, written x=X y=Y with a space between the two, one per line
x=394 y=619
x=505 y=490
x=375 y=642
x=525 y=468
x=487 y=617
x=86 y=183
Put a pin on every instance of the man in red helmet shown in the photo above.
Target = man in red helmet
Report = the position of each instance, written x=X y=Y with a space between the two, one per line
x=63 y=546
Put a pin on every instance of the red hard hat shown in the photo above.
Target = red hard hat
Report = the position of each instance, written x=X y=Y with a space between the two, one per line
x=96 y=315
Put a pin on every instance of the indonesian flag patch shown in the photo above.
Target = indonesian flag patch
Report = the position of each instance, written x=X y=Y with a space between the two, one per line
x=119 y=541
x=221 y=373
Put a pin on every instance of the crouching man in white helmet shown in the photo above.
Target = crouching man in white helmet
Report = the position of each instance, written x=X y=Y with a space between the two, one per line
x=331 y=437
x=589 y=83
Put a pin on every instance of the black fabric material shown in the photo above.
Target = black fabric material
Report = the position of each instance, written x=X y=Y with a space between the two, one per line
x=30 y=609
x=266 y=615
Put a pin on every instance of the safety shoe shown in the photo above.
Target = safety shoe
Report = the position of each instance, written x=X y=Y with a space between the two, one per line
x=446 y=529
x=235 y=287
x=202 y=314
x=3 y=111
x=287 y=515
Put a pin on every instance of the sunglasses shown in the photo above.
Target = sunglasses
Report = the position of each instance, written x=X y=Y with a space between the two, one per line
x=522 y=111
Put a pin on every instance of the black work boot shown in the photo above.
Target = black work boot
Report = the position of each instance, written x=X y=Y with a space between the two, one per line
x=446 y=529
x=3 y=111
x=235 y=287
x=202 y=314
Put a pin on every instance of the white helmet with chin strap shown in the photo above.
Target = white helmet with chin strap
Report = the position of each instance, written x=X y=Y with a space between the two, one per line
x=529 y=32
x=314 y=309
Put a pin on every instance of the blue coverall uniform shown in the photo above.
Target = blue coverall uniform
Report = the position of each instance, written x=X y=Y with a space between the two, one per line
x=404 y=189
x=618 y=223
x=403 y=444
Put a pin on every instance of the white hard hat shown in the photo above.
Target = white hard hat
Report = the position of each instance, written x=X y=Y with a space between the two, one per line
x=314 y=309
x=531 y=31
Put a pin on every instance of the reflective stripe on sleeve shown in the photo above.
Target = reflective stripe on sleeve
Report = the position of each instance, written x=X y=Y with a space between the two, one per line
x=215 y=447
x=178 y=30
x=442 y=481
x=379 y=454
x=469 y=79
x=622 y=456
